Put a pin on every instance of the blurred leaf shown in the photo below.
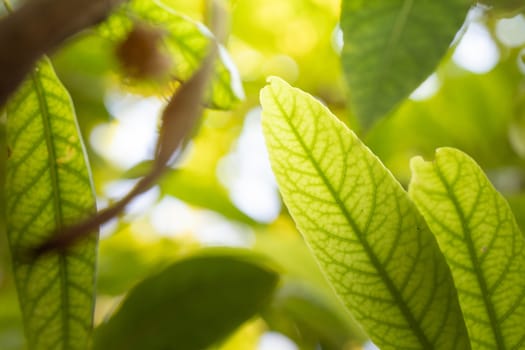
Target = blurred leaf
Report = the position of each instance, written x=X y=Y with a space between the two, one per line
x=193 y=9
x=192 y=304
x=470 y=112
x=293 y=255
x=517 y=204
x=11 y=330
x=358 y=221
x=139 y=170
x=246 y=337
x=391 y=46
x=311 y=319
x=88 y=55
x=195 y=188
x=5 y=266
x=48 y=186
x=196 y=181
x=202 y=191
x=305 y=282
x=186 y=42
x=125 y=260
x=83 y=66
x=483 y=245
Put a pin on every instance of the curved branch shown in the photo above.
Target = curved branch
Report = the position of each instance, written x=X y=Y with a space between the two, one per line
x=38 y=27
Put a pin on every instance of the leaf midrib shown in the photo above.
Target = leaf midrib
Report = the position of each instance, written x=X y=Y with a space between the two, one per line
x=498 y=337
x=400 y=302
x=395 y=36
x=393 y=41
x=55 y=187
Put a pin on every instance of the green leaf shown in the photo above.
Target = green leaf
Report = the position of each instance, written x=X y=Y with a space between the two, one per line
x=125 y=259
x=305 y=306
x=374 y=248
x=48 y=186
x=482 y=243
x=11 y=329
x=391 y=46
x=186 y=42
x=192 y=304
x=517 y=204
x=305 y=315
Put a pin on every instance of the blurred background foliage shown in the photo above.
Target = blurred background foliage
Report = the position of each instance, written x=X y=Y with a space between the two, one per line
x=222 y=193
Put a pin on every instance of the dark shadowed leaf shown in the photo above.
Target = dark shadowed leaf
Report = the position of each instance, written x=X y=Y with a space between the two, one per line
x=125 y=260
x=391 y=46
x=305 y=315
x=191 y=304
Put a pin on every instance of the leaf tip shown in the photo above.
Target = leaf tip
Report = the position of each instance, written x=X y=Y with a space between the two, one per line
x=274 y=79
x=415 y=162
x=441 y=151
x=274 y=83
x=443 y=154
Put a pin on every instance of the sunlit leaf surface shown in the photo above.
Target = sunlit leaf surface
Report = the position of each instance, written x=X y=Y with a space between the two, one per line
x=48 y=186
x=368 y=238
x=391 y=46
x=191 y=304
x=186 y=42
x=482 y=243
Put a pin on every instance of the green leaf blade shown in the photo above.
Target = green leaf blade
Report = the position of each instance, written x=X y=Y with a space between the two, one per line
x=192 y=304
x=48 y=186
x=482 y=243
x=186 y=42
x=390 y=47
x=367 y=237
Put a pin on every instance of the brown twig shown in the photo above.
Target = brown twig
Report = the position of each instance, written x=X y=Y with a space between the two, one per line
x=38 y=27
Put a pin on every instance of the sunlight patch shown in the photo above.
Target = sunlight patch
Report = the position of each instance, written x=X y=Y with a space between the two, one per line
x=476 y=52
x=511 y=31
x=427 y=89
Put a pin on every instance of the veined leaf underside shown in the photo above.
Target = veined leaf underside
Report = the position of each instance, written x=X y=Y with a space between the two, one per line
x=370 y=241
x=48 y=186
